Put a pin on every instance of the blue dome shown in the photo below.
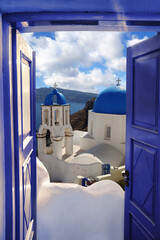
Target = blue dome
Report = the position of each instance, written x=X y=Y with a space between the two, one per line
x=111 y=100
x=60 y=98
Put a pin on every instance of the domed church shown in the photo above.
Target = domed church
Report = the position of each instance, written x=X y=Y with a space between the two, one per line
x=104 y=143
x=107 y=120
x=55 y=131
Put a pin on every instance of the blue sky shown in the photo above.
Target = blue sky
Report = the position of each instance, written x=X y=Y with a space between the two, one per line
x=86 y=61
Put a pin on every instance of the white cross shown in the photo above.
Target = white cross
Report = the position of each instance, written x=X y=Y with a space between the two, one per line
x=118 y=82
x=55 y=85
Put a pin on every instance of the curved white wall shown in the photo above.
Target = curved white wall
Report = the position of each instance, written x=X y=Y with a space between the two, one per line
x=60 y=170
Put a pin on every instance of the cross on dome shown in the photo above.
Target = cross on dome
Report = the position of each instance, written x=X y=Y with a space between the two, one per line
x=55 y=85
x=118 y=82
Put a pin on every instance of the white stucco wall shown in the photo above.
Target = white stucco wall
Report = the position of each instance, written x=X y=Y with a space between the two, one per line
x=62 y=171
x=77 y=135
x=98 y=122
x=2 y=169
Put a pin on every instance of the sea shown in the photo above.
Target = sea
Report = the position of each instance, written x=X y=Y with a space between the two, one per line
x=74 y=107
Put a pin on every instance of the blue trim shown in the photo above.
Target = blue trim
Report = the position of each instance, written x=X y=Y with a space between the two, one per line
x=16 y=134
x=19 y=141
x=36 y=16
x=26 y=168
x=29 y=61
x=54 y=21
x=33 y=156
x=7 y=134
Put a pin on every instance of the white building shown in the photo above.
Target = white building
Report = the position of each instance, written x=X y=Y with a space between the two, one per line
x=107 y=120
x=104 y=143
x=55 y=131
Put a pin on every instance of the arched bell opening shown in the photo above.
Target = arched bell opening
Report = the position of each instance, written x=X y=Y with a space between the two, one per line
x=46 y=117
x=48 y=138
x=57 y=117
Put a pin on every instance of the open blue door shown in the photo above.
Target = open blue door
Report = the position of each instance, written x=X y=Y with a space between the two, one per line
x=24 y=137
x=142 y=198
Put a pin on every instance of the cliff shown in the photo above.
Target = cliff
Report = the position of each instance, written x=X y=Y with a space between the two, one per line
x=79 y=120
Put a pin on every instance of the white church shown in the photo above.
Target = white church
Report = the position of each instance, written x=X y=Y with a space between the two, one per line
x=68 y=154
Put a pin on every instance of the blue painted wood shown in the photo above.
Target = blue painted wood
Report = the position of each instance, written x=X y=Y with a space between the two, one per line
x=23 y=153
x=33 y=156
x=26 y=178
x=7 y=134
x=16 y=135
x=95 y=21
x=2 y=158
x=27 y=152
x=29 y=63
x=105 y=16
x=142 y=220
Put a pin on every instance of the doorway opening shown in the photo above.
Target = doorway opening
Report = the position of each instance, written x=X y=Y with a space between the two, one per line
x=60 y=140
x=109 y=68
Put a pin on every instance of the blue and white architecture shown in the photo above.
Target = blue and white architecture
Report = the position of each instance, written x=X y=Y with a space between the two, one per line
x=107 y=120
x=104 y=143
x=55 y=124
x=142 y=193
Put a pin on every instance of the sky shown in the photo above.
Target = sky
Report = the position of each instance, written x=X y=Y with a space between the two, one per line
x=84 y=61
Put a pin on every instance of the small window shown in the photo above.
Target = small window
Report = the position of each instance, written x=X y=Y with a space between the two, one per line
x=108 y=133
x=91 y=129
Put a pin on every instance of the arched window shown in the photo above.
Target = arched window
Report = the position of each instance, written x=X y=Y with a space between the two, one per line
x=46 y=116
x=56 y=117
x=48 y=138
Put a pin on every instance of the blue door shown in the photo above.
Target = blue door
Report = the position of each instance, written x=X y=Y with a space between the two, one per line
x=24 y=136
x=142 y=198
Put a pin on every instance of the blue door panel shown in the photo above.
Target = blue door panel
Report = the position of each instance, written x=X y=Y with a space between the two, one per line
x=26 y=172
x=139 y=233
x=25 y=136
x=147 y=137
x=146 y=73
x=143 y=165
x=142 y=196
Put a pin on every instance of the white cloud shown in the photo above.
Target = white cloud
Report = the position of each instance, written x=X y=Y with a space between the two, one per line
x=85 y=82
x=118 y=64
x=61 y=59
x=135 y=40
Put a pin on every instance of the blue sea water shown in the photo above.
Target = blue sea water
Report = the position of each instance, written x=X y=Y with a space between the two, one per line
x=74 y=107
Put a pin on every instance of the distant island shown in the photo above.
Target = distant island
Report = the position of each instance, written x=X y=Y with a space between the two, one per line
x=70 y=95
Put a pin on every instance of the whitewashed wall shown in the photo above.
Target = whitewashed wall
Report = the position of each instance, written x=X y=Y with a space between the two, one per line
x=99 y=122
x=62 y=171
x=2 y=173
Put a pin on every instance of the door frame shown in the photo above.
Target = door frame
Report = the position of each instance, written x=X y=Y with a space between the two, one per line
x=11 y=175
x=16 y=133
x=15 y=20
